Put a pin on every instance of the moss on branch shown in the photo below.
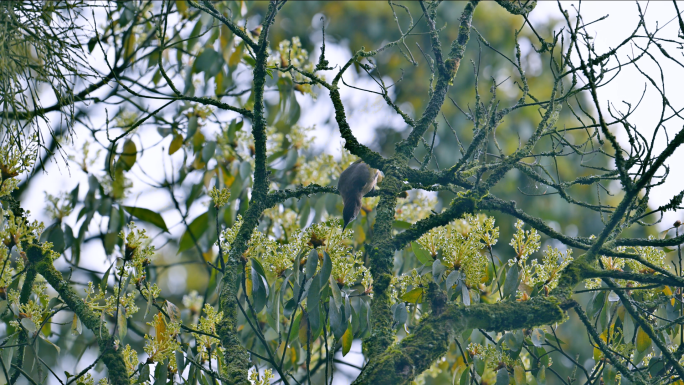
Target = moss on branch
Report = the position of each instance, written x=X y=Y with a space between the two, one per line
x=236 y=356
x=517 y=7
x=112 y=358
x=400 y=363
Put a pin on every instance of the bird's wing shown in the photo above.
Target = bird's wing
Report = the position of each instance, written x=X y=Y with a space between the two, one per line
x=353 y=180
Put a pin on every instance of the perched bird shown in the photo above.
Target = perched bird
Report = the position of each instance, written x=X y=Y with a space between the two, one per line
x=356 y=181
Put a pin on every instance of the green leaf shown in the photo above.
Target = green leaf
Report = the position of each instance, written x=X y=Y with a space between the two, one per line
x=148 y=216
x=30 y=326
x=465 y=378
x=479 y=364
x=326 y=269
x=400 y=315
x=437 y=270
x=312 y=303
x=311 y=263
x=295 y=327
x=160 y=373
x=105 y=279
x=56 y=236
x=144 y=374
x=209 y=62
x=259 y=267
x=401 y=225
x=541 y=376
x=50 y=343
x=537 y=337
x=465 y=294
x=512 y=281
x=628 y=327
x=259 y=289
x=347 y=339
x=197 y=228
x=180 y=360
x=502 y=376
x=422 y=255
x=609 y=374
x=413 y=296
x=337 y=295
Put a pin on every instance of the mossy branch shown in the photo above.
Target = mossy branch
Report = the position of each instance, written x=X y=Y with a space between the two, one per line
x=400 y=363
x=446 y=73
x=111 y=357
x=236 y=356
x=518 y=7
x=23 y=339
x=605 y=349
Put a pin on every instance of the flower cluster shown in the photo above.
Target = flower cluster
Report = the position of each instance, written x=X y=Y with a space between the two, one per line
x=207 y=324
x=413 y=210
x=264 y=380
x=130 y=357
x=292 y=53
x=163 y=344
x=400 y=285
x=461 y=243
x=16 y=230
x=323 y=169
x=15 y=158
x=278 y=255
x=219 y=197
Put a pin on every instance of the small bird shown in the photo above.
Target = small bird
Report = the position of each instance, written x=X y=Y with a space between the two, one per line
x=356 y=181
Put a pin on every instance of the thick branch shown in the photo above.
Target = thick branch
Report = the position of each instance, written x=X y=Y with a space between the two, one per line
x=414 y=354
x=236 y=356
x=517 y=7
x=446 y=74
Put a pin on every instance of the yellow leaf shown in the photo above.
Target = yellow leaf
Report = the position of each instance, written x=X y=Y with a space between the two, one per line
x=668 y=292
x=643 y=341
x=236 y=55
x=347 y=339
x=182 y=7
x=219 y=84
x=129 y=47
x=176 y=144
x=129 y=154
x=597 y=354
x=225 y=39
x=303 y=330
x=359 y=234
x=519 y=375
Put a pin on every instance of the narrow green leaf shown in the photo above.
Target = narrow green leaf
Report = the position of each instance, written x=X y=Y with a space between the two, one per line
x=148 y=216
x=197 y=227
x=105 y=279
x=512 y=281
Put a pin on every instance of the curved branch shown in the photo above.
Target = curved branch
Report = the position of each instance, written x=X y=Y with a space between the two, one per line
x=111 y=357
